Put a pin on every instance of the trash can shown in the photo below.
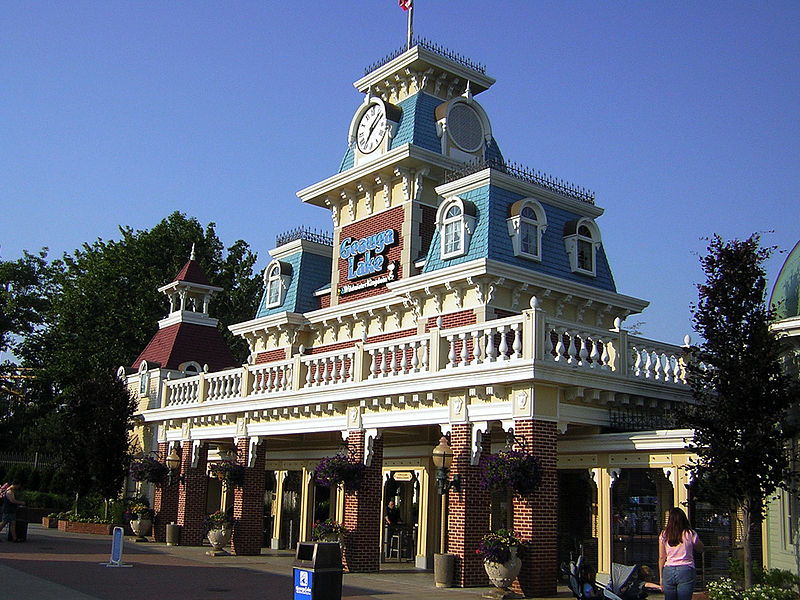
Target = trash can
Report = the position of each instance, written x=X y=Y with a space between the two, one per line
x=20 y=526
x=318 y=571
x=173 y=534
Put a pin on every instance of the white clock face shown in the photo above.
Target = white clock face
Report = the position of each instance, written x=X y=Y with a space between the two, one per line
x=371 y=128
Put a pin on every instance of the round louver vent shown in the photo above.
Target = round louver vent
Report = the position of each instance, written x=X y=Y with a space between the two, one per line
x=465 y=127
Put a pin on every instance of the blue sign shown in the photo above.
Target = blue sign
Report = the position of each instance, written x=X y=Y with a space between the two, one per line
x=303 y=582
x=371 y=248
x=116 y=546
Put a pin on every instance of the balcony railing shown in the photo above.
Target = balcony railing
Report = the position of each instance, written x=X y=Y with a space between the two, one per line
x=533 y=337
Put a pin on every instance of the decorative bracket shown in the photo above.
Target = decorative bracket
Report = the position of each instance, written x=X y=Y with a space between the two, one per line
x=477 y=441
x=370 y=435
x=252 y=450
x=196 y=445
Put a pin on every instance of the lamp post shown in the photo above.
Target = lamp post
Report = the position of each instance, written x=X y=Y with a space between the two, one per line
x=442 y=459
x=173 y=463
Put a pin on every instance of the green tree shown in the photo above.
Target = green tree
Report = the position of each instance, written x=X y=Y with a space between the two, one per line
x=741 y=391
x=103 y=307
x=96 y=417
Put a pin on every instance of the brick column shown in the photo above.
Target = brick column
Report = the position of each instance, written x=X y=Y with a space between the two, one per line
x=363 y=511
x=248 y=502
x=192 y=495
x=536 y=516
x=165 y=501
x=468 y=519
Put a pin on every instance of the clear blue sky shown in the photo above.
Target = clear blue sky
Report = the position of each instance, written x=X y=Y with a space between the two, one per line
x=681 y=116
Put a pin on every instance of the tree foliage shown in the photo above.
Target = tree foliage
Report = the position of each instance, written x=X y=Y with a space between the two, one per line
x=75 y=320
x=739 y=385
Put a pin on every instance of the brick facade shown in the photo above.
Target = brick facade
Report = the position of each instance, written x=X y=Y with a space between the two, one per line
x=192 y=495
x=468 y=518
x=390 y=219
x=248 y=503
x=271 y=356
x=165 y=501
x=362 y=511
x=451 y=320
x=536 y=517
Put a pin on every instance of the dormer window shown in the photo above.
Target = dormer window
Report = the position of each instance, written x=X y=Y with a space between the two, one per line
x=455 y=226
x=276 y=281
x=144 y=379
x=582 y=238
x=526 y=225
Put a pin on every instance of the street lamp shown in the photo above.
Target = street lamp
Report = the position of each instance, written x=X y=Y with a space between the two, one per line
x=173 y=463
x=442 y=459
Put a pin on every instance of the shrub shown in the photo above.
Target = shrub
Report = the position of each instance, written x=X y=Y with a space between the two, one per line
x=327 y=530
x=727 y=589
x=218 y=520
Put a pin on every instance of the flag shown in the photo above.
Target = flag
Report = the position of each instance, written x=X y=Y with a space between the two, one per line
x=405 y=4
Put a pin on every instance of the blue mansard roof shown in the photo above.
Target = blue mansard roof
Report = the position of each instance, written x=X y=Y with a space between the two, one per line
x=491 y=240
x=310 y=272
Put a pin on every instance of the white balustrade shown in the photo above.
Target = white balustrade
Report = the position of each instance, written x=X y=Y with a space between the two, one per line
x=658 y=362
x=183 y=391
x=224 y=385
x=327 y=369
x=394 y=358
x=269 y=378
x=478 y=344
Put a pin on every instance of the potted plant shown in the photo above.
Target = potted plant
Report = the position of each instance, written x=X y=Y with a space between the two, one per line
x=336 y=469
x=229 y=471
x=501 y=551
x=148 y=468
x=328 y=530
x=140 y=517
x=511 y=470
x=218 y=528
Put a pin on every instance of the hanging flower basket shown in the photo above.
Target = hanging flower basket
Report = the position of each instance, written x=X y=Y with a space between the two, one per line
x=148 y=468
x=511 y=470
x=230 y=472
x=336 y=469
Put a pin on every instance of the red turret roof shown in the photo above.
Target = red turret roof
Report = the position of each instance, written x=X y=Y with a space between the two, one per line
x=192 y=273
x=182 y=342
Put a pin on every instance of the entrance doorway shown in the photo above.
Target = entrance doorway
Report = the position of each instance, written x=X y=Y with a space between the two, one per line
x=290 y=509
x=636 y=519
x=401 y=488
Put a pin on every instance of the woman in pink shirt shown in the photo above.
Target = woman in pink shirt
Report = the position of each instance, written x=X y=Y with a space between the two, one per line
x=676 y=547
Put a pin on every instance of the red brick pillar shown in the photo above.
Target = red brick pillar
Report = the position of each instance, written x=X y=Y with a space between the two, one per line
x=192 y=495
x=165 y=501
x=248 y=502
x=363 y=511
x=468 y=519
x=536 y=517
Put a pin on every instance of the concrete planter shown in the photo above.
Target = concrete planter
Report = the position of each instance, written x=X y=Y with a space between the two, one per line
x=444 y=566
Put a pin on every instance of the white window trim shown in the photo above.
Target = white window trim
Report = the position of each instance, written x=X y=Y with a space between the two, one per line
x=466 y=222
x=515 y=222
x=571 y=243
x=280 y=280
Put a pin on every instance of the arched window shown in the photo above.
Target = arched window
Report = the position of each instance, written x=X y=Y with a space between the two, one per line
x=277 y=277
x=526 y=225
x=144 y=379
x=582 y=238
x=455 y=226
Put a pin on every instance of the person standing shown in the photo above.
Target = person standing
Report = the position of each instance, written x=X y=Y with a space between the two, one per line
x=10 y=504
x=676 y=547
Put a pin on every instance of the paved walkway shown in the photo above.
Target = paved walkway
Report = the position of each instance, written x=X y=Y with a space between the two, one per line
x=67 y=566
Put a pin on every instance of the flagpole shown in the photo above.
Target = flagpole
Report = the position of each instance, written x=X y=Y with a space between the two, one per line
x=410 y=24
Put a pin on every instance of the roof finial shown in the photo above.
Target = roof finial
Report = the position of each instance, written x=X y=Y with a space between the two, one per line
x=191 y=256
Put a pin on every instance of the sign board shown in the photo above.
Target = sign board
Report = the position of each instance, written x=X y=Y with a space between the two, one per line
x=403 y=476
x=303 y=584
x=116 y=549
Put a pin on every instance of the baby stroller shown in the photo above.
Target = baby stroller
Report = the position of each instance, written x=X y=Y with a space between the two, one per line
x=625 y=584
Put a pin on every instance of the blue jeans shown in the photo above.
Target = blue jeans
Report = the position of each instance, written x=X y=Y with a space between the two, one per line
x=678 y=582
